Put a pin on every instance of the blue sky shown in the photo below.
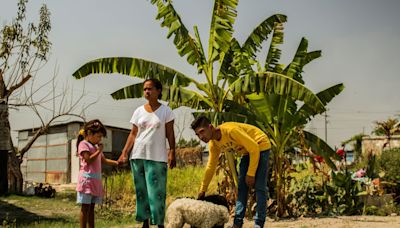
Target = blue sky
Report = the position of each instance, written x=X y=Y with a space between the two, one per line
x=359 y=39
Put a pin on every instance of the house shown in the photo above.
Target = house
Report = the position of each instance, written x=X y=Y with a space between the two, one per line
x=376 y=144
x=52 y=158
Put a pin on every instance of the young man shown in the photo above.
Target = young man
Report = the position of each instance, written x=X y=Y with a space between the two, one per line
x=253 y=146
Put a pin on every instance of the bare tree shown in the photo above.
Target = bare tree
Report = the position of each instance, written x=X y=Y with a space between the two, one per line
x=50 y=107
x=24 y=50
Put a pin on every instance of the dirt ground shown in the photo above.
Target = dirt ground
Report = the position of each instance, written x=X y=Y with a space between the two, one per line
x=321 y=222
x=65 y=211
x=336 y=222
x=331 y=222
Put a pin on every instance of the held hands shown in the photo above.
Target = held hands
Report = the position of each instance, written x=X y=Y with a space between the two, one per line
x=123 y=159
x=250 y=181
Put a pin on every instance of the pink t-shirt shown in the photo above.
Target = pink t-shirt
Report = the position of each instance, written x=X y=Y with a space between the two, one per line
x=89 y=178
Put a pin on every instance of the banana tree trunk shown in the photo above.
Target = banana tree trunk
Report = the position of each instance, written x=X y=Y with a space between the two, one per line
x=4 y=147
x=231 y=164
x=279 y=173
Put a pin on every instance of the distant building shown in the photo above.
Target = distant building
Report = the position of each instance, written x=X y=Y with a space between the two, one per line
x=349 y=156
x=376 y=144
x=52 y=158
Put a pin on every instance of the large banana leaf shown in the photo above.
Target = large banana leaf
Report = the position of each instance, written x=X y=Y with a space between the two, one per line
x=321 y=148
x=267 y=116
x=305 y=112
x=294 y=69
x=176 y=96
x=221 y=28
x=260 y=34
x=328 y=94
x=311 y=56
x=240 y=109
x=133 y=67
x=132 y=91
x=260 y=105
x=274 y=53
x=184 y=42
x=274 y=110
x=230 y=68
x=301 y=58
x=222 y=117
x=273 y=83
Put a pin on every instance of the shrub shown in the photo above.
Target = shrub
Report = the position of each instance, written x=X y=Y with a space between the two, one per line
x=309 y=194
x=390 y=164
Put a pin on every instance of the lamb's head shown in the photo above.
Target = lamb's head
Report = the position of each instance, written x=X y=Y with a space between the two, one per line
x=217 y=199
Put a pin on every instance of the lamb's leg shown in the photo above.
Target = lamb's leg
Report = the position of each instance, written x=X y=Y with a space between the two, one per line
x=175 y=220
x=207 y=224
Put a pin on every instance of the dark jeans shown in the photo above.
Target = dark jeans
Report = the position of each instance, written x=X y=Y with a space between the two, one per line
x=261 y=189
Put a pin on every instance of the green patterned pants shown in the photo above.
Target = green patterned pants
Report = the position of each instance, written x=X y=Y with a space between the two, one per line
x=150 y=178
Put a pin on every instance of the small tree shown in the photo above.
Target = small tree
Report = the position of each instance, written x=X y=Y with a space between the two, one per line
x=23 y=52
x=387 y=128
x=389 y=162
x=50 y=108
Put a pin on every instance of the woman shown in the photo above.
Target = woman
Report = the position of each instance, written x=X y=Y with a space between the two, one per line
x=152 y=123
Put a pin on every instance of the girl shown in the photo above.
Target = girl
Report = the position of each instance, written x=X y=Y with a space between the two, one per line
x=152 y=124
x=89 y=188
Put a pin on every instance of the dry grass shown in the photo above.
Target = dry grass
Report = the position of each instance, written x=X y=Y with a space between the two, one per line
x=190 y=156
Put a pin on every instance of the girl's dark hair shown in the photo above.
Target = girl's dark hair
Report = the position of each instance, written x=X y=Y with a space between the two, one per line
x=156 y=84
x=91 y=127
x=200 y=121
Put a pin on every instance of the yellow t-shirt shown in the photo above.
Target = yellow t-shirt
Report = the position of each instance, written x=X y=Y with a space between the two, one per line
x=240 y=139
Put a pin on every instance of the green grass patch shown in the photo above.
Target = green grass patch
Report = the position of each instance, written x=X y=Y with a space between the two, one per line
x=118 y=209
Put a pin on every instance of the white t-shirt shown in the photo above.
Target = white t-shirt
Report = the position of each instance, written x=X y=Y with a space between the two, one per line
x=150 y=142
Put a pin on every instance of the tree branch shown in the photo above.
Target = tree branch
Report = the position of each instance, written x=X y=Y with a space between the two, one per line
x=16 y=86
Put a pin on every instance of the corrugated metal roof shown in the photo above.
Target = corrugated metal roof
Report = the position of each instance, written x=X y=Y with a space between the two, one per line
x=72 y=122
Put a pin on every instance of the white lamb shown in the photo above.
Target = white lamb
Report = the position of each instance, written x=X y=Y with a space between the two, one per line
x=197 y=213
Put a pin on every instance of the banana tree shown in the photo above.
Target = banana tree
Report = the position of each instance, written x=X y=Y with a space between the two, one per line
x=225 y=66
x=211 y=97
x=279 y=113
x=273 y=92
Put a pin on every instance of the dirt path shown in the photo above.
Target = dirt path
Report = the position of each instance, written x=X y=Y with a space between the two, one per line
x=331 y=222
x=335 y=222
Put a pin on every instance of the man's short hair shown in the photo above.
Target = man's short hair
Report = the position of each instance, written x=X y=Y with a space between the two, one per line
x=200 y=121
